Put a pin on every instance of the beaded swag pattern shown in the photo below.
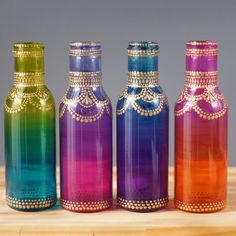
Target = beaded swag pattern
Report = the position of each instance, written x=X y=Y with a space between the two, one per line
x=201 y=133
x=30 y=133
x=142 y=133
x=86 y=133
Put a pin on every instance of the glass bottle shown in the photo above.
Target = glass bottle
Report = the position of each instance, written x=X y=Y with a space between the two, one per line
x=85 y=133
x=30 y=133
x=142 y=133
x=201 y=134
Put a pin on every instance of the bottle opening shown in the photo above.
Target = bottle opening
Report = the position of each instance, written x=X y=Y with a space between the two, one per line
x=28 y=46
x=85 y=45
x=201 y=44
x=143 y=45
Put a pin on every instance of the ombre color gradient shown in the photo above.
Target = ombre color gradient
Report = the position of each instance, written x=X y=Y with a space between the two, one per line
x=30 y=137
x=86 y=146
x=142 y=140
x=201 y=138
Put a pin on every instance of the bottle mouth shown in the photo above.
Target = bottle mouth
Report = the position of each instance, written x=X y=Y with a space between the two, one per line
x=143 y=45
x=143 y=48
x=201 y=44
x=85 y=45
x=28 y=46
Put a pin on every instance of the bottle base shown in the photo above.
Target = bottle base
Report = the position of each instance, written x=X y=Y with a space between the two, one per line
x=207 y=207
x=142 y=206
x=86 y=207
x=30 y=204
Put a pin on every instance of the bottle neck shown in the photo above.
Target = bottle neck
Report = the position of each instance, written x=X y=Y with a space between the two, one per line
x=201 y=64
x=143 y=63
x=28 y=64
x=85 y=64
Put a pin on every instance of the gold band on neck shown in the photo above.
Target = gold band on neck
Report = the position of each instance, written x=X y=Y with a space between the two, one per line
x=85 y=79
x=142 y=53
x=29 y=78
x=28 y=53
x=194 y=52
x=84 y=52
x=143 y=79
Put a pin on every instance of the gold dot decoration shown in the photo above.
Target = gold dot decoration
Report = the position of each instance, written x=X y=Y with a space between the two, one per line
x=28 y=79
x=195 y=52
x=28 y=53
x=143 y=79
x=207 y=82
x=30 y=204
x=87 y=102
x=85 y=79
x=142 y=205
x=85 y=52
x=86 y=206
x=142 y=53
x=18 y=100
x=146 y=95
x=200 y=207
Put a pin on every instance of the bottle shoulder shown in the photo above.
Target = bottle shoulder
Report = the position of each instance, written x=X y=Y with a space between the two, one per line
x=207 y=101
x=148 y=101
x=21 y=97
x=149 y=94
x=85 y=104
x=88 y=95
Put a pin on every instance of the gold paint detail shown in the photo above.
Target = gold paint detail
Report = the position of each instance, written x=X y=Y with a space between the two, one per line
x=143 y=79
x=204 y=85
x=200 y=207
x=201 y=52
x=142 y=205
x=147 y=95
x=28 y=53
x=30 y=204
x=29 y=78
x=85 y=79
x=85 y=52
x=86 y=100
x=200 y=79
x=201 y=74
x=17 y=99
x=86 y=206
x=142 y=53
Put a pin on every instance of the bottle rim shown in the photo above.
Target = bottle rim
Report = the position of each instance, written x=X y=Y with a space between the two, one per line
x=85 y=44
x=28 y=46
x=202 y=43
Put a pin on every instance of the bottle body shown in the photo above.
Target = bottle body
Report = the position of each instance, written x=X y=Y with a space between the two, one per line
x=142 y=138
x=201 y=136
x=30 y=143
x=86 y=143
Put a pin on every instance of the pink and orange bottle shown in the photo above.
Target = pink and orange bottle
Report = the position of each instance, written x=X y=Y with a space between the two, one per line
x=201 y=134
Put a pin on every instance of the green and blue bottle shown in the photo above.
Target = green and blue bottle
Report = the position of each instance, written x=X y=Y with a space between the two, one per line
x=30 y=152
